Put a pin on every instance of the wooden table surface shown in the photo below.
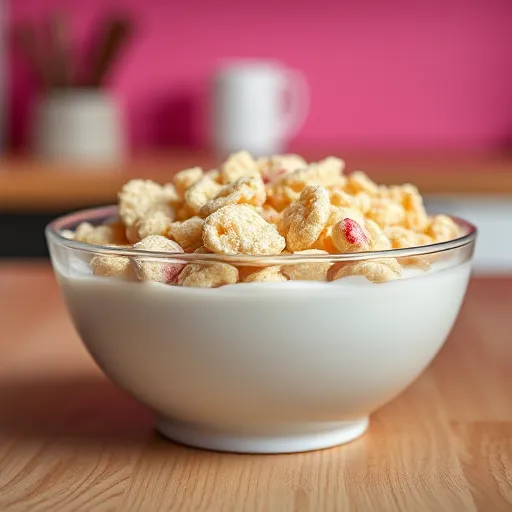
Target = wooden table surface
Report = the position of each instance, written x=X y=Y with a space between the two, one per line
x=71 y=441
x=29 y=184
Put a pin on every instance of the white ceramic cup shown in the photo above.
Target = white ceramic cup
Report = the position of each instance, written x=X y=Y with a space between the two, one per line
x=78 y=126
x=249 y=106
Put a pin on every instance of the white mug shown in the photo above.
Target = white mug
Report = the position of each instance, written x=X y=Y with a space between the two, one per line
x=248 y=107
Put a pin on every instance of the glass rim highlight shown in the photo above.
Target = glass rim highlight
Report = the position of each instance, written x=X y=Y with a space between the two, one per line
x=71 y=220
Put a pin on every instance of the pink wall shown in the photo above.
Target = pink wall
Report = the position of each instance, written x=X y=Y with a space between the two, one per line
x=383 y=73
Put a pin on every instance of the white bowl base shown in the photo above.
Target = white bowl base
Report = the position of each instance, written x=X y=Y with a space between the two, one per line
x=315 y=439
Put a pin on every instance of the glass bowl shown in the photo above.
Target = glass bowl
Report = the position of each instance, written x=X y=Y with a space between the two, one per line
x=263 y=367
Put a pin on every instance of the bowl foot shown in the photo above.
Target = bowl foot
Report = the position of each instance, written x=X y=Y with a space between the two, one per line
x=298 y=438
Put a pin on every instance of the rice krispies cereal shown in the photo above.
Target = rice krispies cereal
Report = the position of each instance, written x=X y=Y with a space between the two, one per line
x=208 y=275
x=270 y=206
x=266 y=275
x=376 y=271
x=238 y=165
x=303 y=221
x=154 y=269
x=245 y=190
x=239 y=229
x=113 y=266
x=314 y=271
x=188 y=233
x=137 y=197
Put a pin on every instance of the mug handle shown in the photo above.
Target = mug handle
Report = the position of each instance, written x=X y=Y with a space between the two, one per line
x=297 y=85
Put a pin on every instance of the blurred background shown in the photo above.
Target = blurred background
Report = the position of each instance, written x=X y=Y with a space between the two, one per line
x=93 y=93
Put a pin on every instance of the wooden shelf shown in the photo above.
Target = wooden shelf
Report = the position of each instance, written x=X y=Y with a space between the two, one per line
x=30 y=185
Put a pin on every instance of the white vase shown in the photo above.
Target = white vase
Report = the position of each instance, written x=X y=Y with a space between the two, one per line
x=78 y=125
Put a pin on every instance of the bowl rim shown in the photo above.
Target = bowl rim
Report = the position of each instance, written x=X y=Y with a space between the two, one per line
x=53 y=234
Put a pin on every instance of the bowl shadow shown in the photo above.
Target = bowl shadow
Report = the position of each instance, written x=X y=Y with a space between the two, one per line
x=87 y=408
x=89 y=413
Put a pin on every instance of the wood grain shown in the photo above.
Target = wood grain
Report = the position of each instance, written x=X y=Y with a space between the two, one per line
x=28 y=184
x=71 y=441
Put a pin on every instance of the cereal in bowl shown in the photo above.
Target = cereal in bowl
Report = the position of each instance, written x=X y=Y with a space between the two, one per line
x=137 y=197
x=108 y=234
x=156 y=221
x=442 y=228
x=188 y=233
x=113 y=266
x=266 y=275
x=239 y=165
x=202 y=191
x=273 y=207
x=151 y=269
x=208 y=275
x=245 y=190
x=183 y=180
x=386 y=213
x=239 y=229
x=360 y=201
x=358 y=181
x=380 y=241
x=303 y=221
x=376 y=271
x=350 y=236
x=314 y=271
x=275 y=167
